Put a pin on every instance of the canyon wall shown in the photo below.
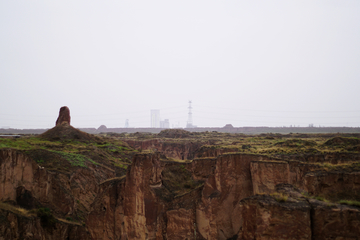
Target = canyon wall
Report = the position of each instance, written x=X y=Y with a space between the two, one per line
x=175 y=149
x=230 y=196
x=13 y=226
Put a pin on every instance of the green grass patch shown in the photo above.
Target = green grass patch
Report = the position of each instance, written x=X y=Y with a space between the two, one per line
x=74 y=158
x=350 y=202
x=26 y=143
x=320 y=198
x=120 y=165
x=112 y=147
x=280 y=197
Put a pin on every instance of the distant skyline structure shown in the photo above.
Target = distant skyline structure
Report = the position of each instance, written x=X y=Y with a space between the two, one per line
x=165 y=123
x=155 y=118
x=189 y=121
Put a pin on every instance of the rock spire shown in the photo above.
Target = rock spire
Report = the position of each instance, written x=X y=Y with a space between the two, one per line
x=64 y=116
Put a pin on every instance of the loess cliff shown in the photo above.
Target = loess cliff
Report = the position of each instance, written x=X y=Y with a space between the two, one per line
x=179 y=185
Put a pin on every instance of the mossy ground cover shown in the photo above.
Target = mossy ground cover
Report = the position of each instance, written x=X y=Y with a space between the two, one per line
x=111 y=151
x=177 y=180
x=350 y=202
x=333 y=202
x=108 y=150
x=285 y=144
x=343 y=167
x=27 y=143
x=62 y=155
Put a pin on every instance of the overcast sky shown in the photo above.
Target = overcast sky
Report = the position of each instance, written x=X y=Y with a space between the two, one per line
x=247 y=63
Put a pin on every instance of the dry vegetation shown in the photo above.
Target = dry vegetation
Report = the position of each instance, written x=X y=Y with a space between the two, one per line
x=64 y=154
x=57 y=152
x=17 y=210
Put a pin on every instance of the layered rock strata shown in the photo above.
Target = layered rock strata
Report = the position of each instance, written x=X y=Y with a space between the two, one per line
x=232 y=196
x=14 y=226
x=287 y=214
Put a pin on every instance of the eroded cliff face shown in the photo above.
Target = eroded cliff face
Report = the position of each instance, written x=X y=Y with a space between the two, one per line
x=333 y=158
x=25 y=183
x=213 y=151
x=13 y=226
x=182 y=150
x=333 y=185
x=334 y=221
x=128 y=207
x=22 y=179
x=231 y=196
x=224 y=206
x=209 y=211
x=218 y=208
x=264 y=217
x=267 y=174
x=287 y=214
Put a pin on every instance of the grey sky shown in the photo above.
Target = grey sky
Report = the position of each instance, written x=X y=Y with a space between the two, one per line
x=248 y=63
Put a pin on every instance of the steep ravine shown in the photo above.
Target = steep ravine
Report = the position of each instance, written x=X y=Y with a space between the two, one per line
x=231 y=196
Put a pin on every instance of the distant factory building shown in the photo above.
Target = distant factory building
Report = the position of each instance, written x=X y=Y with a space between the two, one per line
x=165 y=124
x=155 y=118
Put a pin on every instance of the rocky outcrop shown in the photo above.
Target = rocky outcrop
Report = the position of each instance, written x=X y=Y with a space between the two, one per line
x=224 y=207
x=175 y=150
x=218 y=208
x=213 y=151
x=65 y=132
x=140 y=204
x=30 y=185
x=330 y=221
x=265 y=217
x=129 y=208
x=13 y=226
x=143 y=212
x=287 y=214
x=21 y=176
x=207 y=198
x=334 y=185
x=202 y=169
x=105 y=212
x=267 y=174
x=64 y=116
x=180 y=224
x=188 y=150
x=333 y=158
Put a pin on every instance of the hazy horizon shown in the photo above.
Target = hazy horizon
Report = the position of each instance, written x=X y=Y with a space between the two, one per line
x=245 y=63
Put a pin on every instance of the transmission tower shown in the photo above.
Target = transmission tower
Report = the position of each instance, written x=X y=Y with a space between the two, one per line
x=189 y=121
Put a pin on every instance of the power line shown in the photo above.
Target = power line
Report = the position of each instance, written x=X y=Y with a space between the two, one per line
x=257 y=110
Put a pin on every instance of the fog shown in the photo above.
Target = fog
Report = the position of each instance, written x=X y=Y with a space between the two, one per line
x=245 y=63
